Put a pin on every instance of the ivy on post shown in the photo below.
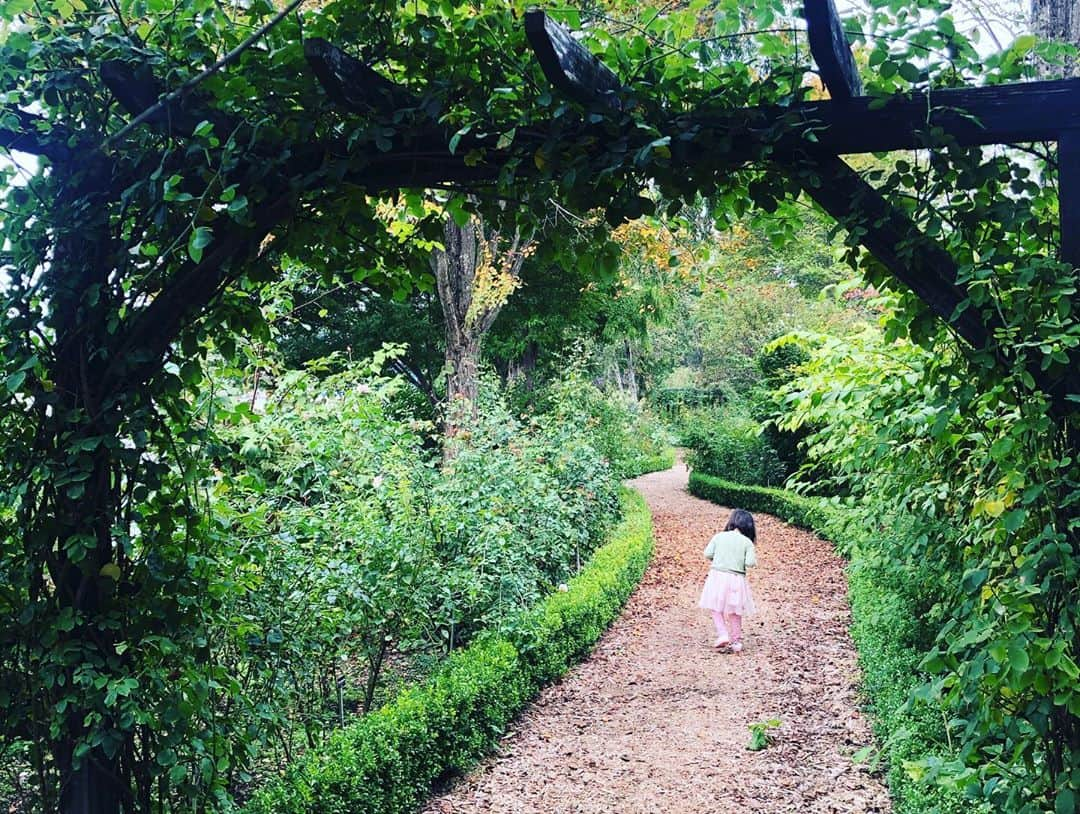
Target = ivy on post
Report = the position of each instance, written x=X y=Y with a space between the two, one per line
x=1069 y=195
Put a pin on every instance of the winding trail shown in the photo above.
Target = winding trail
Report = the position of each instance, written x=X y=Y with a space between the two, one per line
x=655 y=721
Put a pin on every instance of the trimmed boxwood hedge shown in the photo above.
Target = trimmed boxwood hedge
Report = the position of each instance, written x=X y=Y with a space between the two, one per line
x=805 y=512
x=387 y=762
x=882 y=620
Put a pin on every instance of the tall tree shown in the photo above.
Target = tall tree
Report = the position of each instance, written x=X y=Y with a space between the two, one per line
x=474 y=276
x=1058 y=21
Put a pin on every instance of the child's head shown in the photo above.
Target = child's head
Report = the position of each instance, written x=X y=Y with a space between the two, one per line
x=743 y=522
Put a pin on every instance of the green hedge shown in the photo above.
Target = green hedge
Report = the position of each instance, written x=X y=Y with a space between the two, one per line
x=806 y=512
x=882 y=627
x=387 y=762
x=645 y=464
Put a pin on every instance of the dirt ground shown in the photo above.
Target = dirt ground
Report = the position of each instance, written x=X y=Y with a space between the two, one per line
x=657 y=721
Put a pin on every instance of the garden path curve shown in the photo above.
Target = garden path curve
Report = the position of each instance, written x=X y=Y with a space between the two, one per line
x=655 y=721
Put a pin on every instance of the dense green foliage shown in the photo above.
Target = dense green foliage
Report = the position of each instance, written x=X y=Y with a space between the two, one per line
x=731 y=446
x=339 y=553
x=139 y=236
x=974 y=486
x=627 y=436
x=387 y=762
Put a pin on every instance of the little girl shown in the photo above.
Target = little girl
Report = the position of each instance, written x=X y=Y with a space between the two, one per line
x=726 y=592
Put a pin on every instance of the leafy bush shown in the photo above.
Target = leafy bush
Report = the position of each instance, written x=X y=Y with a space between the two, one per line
x=626 y=436
x=644 y=464
x=343 y=544
x=387 y=762
x=730 y=446
x=980 y=467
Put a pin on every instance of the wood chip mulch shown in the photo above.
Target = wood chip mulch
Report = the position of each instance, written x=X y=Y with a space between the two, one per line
x=655 y=721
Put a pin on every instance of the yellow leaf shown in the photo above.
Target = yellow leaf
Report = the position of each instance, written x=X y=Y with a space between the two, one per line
x=539 y=160
x=110 y=570
x=995 y=508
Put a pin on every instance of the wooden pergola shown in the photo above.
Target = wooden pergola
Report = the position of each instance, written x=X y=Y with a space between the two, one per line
x=851 y=123
x=814 y=137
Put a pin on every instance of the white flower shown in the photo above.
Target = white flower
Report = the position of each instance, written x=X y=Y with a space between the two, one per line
x=563 y=587
x=377 y=481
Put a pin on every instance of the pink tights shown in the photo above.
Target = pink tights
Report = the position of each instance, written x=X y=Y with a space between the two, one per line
x=728 y=626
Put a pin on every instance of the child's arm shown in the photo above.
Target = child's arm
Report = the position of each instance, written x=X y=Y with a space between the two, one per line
x=710 y=549
x=751 y=556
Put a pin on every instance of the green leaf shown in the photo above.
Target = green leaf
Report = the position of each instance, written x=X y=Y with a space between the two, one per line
x=200 y=238
x=1024 y=43
x=15 y=380
x=1018 y=658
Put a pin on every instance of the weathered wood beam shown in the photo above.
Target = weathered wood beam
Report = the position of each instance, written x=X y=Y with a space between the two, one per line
x=830 y=49
x=351 y=83
x=137 y=89
x=33 y=134
x=914 y=259
x=568 y=65
x=998 y=114
x=917 y=261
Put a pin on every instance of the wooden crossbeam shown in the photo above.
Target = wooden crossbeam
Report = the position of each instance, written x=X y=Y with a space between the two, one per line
x=829 y=47
x=569 y=66
x=916 y=260
x=136 y=88
x=998 y=114
x=351 y=83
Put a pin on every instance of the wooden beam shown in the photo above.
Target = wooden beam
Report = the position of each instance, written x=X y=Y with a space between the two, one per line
x=137 y=89
x=35 y=135
x=918 y=262
x=830 y=49
x=997 y=114
x=569 y=65
x=914 y=259
x=351 y=83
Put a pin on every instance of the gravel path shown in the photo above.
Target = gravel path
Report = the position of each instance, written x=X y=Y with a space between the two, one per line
x=656 y=721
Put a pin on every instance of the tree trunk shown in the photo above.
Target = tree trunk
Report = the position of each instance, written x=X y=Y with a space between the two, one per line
x=473 y=279
x=631 y=373
x=462 y=374
x=1057 y=20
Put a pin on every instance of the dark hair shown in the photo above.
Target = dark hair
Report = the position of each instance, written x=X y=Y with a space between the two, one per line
x=743 y=522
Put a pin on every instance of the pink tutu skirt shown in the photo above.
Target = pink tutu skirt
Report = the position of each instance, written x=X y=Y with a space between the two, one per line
x=727 y=592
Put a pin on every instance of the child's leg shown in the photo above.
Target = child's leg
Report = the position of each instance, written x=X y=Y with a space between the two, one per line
x=733 y=622
x=722 y=636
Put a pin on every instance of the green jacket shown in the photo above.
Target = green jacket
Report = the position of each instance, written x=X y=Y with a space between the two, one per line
x=730 y=551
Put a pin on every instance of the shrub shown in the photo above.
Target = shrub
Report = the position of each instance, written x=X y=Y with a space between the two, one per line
x=805 y=512
x=629 y=438
x=731 y=446
x=644 y=464
x=387 y=762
